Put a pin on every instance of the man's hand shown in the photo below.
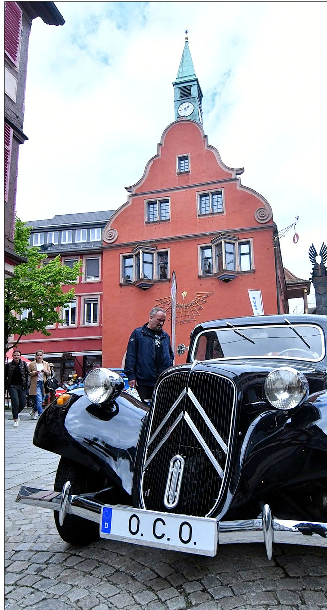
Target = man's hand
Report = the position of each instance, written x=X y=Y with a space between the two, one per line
x=132 y=383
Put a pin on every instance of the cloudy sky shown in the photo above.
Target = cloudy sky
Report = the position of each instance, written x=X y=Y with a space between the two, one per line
x=99 y=95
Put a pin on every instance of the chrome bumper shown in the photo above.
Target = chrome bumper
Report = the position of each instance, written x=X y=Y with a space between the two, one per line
x=272 y=529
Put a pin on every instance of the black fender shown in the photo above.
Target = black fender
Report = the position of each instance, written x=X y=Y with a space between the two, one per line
x=283 y=450
x=101 y=437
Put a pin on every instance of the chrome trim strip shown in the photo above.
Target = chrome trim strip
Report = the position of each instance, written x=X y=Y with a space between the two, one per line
x=163 y=440
x=203 y=414
x=283 y=529
x=177 y=401
x=268 y=530
x=174 y=481
x=64 y=503
x=204 y=445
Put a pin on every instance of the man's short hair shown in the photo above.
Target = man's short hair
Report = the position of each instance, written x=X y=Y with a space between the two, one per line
x=15 y=351
x=155 y=310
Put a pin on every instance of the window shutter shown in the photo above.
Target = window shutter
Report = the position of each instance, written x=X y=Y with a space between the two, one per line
x=8 y=143
x=13 y=26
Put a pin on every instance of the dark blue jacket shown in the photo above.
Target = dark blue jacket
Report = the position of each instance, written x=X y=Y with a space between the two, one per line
x=140 y=356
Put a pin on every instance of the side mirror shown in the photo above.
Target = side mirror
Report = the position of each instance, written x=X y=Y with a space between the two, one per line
x=181 y=349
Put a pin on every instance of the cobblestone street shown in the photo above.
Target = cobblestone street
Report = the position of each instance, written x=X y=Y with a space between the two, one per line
x=44 y=573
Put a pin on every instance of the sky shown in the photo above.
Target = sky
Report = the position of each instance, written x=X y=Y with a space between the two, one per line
x=99 y=96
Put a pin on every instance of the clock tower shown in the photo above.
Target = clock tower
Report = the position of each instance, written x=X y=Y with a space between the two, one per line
x=187 y=91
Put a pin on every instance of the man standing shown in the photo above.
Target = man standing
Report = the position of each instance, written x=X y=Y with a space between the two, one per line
x=39 y=371
x=149 y=353
x=16 y=382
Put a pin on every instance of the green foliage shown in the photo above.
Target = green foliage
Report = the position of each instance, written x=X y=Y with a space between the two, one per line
x=38 y=285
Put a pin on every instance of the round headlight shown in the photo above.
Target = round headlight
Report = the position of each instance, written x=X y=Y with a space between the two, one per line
x=100 y=385
x=285 y=388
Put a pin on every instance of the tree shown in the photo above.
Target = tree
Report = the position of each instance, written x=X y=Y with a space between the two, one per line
x=37 y=286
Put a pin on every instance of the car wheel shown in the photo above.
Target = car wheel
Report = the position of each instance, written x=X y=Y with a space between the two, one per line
x=76 y=530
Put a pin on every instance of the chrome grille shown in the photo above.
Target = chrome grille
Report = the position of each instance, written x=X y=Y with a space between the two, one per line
x=192 y=418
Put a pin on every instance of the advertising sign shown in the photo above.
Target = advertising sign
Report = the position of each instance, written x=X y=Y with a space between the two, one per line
x=256 y=302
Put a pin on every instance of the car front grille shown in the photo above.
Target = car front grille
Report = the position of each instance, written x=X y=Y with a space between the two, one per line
x=189 y=443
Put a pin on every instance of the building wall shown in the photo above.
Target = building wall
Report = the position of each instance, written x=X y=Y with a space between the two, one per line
x=17 y=31
x=74 y=342
x=247 y=215
x=17 y=27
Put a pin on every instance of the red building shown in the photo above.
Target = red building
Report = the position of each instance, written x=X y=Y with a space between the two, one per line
x=189 y=213
x=75 y=345
x=17 y=27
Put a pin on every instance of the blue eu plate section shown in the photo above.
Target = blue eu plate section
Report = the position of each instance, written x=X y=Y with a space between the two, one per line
x=106 y=520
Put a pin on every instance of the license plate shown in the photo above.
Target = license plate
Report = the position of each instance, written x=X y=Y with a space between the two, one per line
x=173 y=532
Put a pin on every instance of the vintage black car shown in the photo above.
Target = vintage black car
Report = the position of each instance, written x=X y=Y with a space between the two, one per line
x=235 y=440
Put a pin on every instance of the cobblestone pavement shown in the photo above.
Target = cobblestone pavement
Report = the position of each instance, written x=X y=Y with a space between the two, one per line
x=44 y=573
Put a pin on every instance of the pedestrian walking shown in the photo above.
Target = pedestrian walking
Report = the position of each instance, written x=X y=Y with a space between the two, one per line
x=39 y=371
x=148 y=354
x=16 y=383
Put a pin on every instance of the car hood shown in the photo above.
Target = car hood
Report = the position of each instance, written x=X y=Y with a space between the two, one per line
x=242 y=365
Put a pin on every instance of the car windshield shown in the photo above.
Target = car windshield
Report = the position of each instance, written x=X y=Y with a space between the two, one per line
x=300 y=341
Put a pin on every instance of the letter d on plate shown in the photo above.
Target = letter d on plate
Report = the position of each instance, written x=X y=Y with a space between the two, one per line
x=106 y=520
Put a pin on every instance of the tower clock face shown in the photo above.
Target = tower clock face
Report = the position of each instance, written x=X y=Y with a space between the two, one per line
x=185 y=109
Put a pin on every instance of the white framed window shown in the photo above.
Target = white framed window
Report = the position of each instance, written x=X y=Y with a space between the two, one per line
x=37 y=239
x=95 y=234
x=145 y=264
x=226 y=255
x=245 y=256
x=91 y=311
x=183 y=164
x=69 y=262
x=128 y=269
x=80 y=235
x=206 y=260
x=26 y=313
x=91 y=269
x=162 y=265
x=69 y=314
x=53 y=237
x=210 y=203
x=157 y=210
x=66 y=237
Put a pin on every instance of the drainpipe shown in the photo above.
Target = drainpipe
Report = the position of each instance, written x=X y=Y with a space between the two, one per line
x=275 y=238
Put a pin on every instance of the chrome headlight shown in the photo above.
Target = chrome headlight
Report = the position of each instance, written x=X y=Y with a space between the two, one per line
x=102 y=385
x=285 y=388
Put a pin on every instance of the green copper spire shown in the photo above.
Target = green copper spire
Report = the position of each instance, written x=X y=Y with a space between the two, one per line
x=187 y=91
x=186 y=69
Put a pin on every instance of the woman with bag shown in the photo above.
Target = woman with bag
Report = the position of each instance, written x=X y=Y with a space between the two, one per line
x=39 y=371
x=51 y=385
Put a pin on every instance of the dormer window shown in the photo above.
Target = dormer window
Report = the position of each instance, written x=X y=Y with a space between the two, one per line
x=95 y=234
x=37 y=239
x=80 y=235
x=66 y=237
x=53 y=237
